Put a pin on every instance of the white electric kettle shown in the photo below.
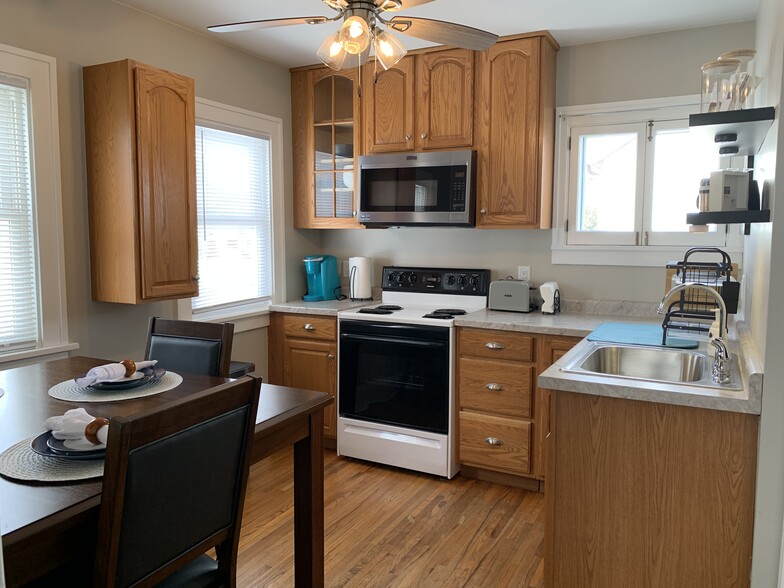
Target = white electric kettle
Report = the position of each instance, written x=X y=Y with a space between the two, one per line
x=360 y=270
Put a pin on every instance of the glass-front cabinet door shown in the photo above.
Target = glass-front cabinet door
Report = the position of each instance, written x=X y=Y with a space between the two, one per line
x=333 y=148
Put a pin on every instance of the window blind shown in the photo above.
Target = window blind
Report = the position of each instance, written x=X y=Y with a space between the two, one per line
x=233 y=210
x=19 y=326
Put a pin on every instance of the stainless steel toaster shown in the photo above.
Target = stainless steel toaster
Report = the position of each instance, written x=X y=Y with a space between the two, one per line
x=511 y=295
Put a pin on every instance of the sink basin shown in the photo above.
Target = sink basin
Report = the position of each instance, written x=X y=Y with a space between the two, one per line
x=669 y=365
x=649 y=364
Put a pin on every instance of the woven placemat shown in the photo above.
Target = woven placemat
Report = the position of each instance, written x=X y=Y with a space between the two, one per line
x=71 y=392
x=20 y=462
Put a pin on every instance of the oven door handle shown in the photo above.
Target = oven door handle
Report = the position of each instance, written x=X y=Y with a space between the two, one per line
x=395 y=340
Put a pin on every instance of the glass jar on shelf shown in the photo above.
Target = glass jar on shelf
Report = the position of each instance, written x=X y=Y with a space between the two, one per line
x=718 y=90
x=743 y=78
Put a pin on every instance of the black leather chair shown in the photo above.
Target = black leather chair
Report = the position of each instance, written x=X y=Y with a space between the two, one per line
x=174 y=487
x=190 y=346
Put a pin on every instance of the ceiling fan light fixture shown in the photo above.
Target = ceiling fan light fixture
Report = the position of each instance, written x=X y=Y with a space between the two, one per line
x=354 y=35
x=331 y=52
x=387 y=48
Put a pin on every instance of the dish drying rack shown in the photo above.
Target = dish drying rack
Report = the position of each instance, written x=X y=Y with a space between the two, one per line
x=693 y=310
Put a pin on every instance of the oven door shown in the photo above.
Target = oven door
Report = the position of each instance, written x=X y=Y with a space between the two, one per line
x=395 y=374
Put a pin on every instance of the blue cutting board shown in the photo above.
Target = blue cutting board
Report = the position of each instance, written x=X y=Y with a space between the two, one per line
x=637 y=334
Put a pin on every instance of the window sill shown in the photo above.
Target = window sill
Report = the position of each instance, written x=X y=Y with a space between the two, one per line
x=245 y=318
x=649 y=256
x=28 y=356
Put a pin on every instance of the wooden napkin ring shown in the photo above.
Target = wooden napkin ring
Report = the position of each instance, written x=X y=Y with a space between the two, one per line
x=130 y=367
x=91 y=430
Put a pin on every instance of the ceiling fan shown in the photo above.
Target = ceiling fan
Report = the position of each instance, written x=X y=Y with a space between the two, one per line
x=360 y=31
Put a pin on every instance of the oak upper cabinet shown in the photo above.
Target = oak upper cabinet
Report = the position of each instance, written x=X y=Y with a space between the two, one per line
x=141 y=173
x=514 y=129
x=326 y=140
x=302 y=354
x=425 y=101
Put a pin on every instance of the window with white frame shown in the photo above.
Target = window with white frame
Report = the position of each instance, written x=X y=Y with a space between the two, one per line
x=32 y=284
x=238 y=185
x=627 y=174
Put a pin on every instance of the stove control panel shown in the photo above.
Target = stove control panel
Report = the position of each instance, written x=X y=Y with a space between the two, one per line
x=474 y=282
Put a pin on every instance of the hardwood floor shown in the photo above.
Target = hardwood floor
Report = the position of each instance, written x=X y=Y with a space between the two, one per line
x=390 y=527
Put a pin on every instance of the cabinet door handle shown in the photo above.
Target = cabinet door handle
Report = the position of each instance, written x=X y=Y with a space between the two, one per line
x=495 y=345
x=196 y=278
x=482 y=211
x=408 y=137
x=493 y=441
x=308 y=327
x=494 y=387
x=424 y=135
x=331 y=356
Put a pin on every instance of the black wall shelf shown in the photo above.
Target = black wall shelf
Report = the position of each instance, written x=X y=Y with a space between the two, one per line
x=729 y=217
x=744 y=130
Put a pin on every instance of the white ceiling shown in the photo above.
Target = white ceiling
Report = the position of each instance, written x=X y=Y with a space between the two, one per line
x=572 y=22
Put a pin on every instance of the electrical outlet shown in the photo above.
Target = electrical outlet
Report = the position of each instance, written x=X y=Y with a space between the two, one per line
x=524 y=272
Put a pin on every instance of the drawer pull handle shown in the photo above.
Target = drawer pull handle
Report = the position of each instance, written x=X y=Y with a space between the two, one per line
x=308 y=327
x=493 y=441
x=495 y=387
x=494 y=345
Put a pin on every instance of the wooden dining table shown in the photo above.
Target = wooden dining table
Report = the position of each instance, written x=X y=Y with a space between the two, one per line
x=45 y=526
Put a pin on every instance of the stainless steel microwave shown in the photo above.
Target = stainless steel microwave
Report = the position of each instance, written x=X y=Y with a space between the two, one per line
x=433 y=189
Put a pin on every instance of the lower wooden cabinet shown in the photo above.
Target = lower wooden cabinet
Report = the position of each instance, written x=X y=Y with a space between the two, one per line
x=504 y=415
x=648 y=494
x=303 y=354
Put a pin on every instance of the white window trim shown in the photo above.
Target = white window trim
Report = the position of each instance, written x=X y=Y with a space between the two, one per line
x=42 y=70
x=649 y=255
x=250 y=316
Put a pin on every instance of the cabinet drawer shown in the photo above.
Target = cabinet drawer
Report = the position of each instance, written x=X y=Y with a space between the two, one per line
x=309 y=327
x=511 y=453
x=496 y=386
x=496 y=344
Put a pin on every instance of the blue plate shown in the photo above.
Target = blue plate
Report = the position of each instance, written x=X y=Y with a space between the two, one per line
x=150 y=374
x=41 y=446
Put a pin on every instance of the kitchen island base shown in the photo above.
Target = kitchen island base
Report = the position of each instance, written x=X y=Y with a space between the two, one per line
x=646 y=494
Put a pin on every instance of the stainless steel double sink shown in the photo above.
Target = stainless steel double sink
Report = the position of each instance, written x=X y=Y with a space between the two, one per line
x=652 y=364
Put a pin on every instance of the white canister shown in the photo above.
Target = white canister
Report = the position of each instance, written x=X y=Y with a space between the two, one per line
x=360 y=273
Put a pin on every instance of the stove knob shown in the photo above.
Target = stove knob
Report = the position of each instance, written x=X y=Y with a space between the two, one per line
x=391 y=277
x=461 y=280
x=411 y=279
x=401 y=278
x=474 y=281
x=450 y=280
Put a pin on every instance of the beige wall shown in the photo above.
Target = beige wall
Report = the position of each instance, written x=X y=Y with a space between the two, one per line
x=83 y=32
x=764 y=288
x=658 y=65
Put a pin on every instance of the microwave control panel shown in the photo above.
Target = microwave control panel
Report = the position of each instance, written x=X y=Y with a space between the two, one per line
x=474 y=282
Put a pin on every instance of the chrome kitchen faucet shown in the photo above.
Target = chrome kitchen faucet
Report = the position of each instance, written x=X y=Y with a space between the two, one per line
x=721 y=361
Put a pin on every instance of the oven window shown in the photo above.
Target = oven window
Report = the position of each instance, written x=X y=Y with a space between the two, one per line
x=395 y=374
x=410 y=189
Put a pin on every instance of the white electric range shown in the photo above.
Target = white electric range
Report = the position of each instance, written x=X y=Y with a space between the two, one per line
x=396 y=375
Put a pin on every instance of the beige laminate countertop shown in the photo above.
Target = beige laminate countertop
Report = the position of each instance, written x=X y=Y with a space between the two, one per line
x=326 y=307
x=563 y=323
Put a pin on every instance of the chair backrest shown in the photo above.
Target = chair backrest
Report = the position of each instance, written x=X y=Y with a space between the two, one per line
x=174 y=485
x=190 y=346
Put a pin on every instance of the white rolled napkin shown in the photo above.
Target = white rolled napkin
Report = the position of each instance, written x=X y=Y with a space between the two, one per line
x=109 y=372
x=72 y=426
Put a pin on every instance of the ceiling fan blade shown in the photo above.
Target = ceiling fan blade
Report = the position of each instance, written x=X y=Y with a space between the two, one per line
x=250 y=25
x=395 y=5
x=445 y=33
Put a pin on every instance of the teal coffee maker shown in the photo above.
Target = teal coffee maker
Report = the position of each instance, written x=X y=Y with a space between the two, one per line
x=323 y=278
